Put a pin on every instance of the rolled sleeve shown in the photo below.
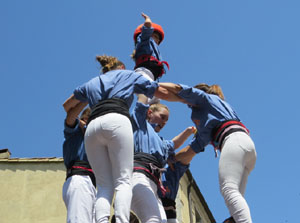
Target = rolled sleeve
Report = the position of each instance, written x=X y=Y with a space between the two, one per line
x=196 y=145
x=80 y=94
x=146 y=87
x=70 y=130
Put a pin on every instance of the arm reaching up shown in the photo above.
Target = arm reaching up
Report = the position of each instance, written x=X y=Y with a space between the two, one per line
x=72 y=102
x=167 y=95
x=73 y=114
x=175 y=88
x=183 y=136
x=185 y=155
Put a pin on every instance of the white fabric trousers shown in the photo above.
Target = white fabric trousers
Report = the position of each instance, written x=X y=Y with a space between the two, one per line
x=109 y=147
x=79 y=195
x=237 y=160
x=145 y=202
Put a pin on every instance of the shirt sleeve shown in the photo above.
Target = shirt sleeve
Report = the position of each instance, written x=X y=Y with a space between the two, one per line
x=145 y=86
x=192 y=95
x=145 y=34
x=68 y=130
x=80 y=93
x=169 y=147
x=139 y=114
x=196 y=145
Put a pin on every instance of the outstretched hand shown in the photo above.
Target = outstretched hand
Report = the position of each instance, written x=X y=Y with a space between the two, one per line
x=148 y=21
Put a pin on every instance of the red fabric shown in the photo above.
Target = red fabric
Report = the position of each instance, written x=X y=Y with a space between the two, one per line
x=80 y=167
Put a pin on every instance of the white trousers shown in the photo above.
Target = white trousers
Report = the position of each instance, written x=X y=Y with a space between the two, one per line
x=237 y=160
x=79 y=195
x=109 y=147
x=145 y=202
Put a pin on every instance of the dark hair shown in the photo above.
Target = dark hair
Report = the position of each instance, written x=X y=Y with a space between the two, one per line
x=153 y=66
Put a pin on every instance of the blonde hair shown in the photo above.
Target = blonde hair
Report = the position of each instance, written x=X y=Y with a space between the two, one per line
x=157 y=106
x=213 y=89
x=108 y=63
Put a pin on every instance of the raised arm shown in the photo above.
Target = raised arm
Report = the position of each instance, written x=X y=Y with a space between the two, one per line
x=167 y=95
x=183 y=136
x=148 y=21
x=71 y=102
x=73 y=113
x=175 y=88
x=185 y=155
x=142 y=98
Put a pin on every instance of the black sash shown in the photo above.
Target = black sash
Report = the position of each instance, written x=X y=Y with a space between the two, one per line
x=82 y=168
x=111 y=105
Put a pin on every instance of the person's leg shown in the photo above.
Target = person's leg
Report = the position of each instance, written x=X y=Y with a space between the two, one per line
x=170 y=209
x=144 y=199
x=79 y=197
x=120 y=149
x=172 y=220
x=96 y=149
x=237 y=153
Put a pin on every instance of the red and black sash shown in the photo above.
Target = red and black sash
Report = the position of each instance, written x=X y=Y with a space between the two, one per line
x=224 y=129
x=83 y=168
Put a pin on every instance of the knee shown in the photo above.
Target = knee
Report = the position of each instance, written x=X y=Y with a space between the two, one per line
x=124 y=183
x=229 y=190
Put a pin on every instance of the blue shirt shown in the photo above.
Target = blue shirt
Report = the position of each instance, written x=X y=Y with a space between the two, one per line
x=115 y=84
x=208 y=111
x=171 y=179
x=73 y=146
x=146 y=45
x=146 y=140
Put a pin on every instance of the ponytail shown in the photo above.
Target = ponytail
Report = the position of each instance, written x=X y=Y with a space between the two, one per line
x=213 y=89
x=108 y=63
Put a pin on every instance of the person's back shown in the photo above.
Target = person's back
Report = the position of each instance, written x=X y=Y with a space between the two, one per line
x=114 y=84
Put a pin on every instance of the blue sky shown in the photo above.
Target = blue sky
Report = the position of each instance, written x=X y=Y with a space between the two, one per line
x=250 y=48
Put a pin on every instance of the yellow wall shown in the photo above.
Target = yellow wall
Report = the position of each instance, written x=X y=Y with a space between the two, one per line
x=31 y=192
x=186 y=205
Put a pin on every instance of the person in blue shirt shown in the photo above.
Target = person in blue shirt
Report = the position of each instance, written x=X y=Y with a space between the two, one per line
x=151 y=154
x=171 y=179
x=79 y=189
x=109 y=137
x=217 y=123
x=148 y=60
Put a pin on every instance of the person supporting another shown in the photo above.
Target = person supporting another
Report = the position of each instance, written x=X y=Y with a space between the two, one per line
x=170 y=181
x=109 y=137
x=218 y=123
x=79 y=189
x=151 y=153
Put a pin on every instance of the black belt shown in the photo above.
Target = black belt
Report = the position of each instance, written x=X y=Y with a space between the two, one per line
x=149 y=166
x=81 y=168
x=111 y=105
